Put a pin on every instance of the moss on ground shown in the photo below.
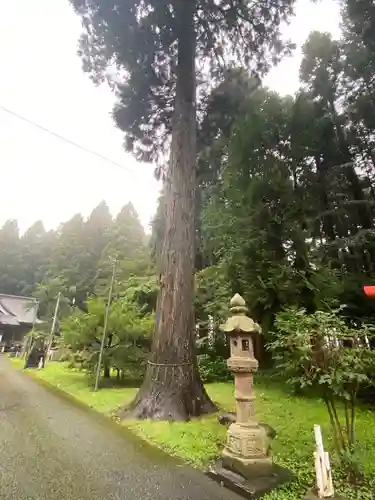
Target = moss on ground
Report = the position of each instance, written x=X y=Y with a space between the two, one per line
x=200 y=441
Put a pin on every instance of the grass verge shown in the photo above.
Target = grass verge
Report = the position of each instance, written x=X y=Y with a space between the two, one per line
x=200 y=441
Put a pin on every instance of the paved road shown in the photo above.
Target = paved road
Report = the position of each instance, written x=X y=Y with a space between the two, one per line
x=52 y=450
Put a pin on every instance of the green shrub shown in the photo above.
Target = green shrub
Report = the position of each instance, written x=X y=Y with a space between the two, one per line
x=213 y=369
x=321 y=354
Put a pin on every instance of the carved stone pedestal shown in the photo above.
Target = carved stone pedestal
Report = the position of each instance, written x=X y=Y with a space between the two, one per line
x=247 y=450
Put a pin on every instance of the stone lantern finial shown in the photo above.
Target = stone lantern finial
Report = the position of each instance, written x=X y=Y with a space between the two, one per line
x=237 y=301
x=238 y=305
x=239 y=321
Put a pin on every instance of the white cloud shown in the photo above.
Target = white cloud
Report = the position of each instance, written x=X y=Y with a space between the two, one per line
x=43 y=177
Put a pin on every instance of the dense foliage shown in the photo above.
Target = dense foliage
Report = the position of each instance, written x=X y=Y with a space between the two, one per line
x=284 y=209
x=127 y=340
x=167 y=55
x=287 y=186
x=285 y=200
x=74 y=259
x=328 y=357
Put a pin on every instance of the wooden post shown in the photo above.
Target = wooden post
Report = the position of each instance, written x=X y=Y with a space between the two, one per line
x=322 y=467
x=52 y=334
x=105 y=327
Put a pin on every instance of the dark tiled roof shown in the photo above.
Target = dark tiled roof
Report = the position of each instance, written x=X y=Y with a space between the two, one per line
x=18 y=310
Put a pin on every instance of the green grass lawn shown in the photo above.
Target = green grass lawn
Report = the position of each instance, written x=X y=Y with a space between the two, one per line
x=200 y=441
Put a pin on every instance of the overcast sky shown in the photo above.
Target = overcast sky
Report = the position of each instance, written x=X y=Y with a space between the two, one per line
x=43 y=177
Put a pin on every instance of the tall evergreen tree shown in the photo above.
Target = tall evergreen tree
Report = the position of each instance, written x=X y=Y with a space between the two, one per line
x=344 y=201
x=97 y=236
x=128 y=233
x=127 y=244
x=11 y=276
x=37 y=247
x=70 y=261
x=163 y=45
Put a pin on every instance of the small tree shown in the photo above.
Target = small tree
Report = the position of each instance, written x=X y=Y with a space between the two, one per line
x=320 y=352
x=127 y=340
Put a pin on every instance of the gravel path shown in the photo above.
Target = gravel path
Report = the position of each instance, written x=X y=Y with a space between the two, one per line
x=53 y=450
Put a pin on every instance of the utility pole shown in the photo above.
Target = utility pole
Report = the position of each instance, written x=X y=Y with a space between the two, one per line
x=29 y=340
x=52 y=334
x=105 y=326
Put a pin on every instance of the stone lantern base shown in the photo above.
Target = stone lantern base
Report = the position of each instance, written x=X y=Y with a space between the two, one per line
x=247 y=450
x=253 y=487
x=248 y=468
x=246 y=465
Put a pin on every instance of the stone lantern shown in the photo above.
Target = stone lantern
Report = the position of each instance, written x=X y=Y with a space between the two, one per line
x=246 y=464
x=247 y=448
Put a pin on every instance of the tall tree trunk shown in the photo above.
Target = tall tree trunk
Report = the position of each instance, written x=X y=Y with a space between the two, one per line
x=327 y=219
x=172 y=389
x=107 y=371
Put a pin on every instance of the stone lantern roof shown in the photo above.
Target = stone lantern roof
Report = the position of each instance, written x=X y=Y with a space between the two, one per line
x=239 y=321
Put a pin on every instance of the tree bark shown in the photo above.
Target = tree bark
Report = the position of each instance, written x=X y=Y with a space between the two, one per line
x=172 y=389
x=107 y=371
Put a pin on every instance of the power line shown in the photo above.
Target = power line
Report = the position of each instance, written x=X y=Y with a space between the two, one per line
x=72 y=143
